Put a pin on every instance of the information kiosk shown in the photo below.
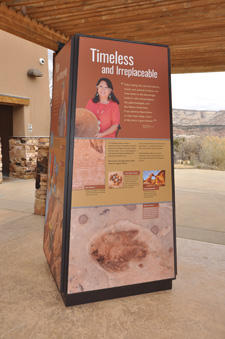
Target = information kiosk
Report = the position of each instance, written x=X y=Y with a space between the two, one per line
x=110 y=213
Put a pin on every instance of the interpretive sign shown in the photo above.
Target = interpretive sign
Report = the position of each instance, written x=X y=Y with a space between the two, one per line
x=57 y=164
x=114 y=232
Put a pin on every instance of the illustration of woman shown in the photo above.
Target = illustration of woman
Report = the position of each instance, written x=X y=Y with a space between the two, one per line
x=105 y=106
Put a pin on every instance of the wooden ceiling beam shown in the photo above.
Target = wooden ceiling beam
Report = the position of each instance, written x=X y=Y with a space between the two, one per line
x=200 y=68
x=81 y=7
x=182 y=40
x=73 y=26
x=85 y=4
x=178 y=23
x=43 y=6
x=128 y=13
x=175 y=38
x=194 y=30
x=13 y=3
x=110 y=7
x=195 y=55
x=181 y=62
x=213 y=29
x=28 y=29
x=58 y=5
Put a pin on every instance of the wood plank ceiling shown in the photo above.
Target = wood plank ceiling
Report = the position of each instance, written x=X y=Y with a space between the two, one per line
x=194 y=30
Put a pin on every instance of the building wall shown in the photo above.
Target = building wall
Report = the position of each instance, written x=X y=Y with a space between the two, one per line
x=17 y=56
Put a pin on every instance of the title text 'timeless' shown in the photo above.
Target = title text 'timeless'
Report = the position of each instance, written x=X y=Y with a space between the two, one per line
x=115 y=58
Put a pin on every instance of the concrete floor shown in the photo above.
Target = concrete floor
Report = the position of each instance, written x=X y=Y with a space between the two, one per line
x=200 y=203
x=31 y=306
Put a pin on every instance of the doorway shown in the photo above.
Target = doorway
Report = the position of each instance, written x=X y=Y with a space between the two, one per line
x=6 y=132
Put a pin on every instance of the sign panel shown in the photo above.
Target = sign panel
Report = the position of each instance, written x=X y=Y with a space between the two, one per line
x=57 y=163
x=110 y=220
x=122 y=215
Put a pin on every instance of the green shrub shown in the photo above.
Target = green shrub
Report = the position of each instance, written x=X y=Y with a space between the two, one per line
x=208 y=152
x=213 y=152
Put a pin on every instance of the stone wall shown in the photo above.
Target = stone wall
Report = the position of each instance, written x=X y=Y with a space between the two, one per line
x=1 y=178
x=41 y=176
x=23 y=157
x=29 y=159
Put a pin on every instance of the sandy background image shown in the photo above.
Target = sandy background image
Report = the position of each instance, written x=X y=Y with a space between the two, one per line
x=89 y=163
x=53 y=237
x=114 y=246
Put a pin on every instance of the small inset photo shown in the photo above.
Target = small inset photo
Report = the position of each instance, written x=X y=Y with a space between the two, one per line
x=154 y=178
x=116 y=179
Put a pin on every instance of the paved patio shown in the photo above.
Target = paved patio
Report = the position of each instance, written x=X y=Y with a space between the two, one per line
x=200 y=203
x=31 y=306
